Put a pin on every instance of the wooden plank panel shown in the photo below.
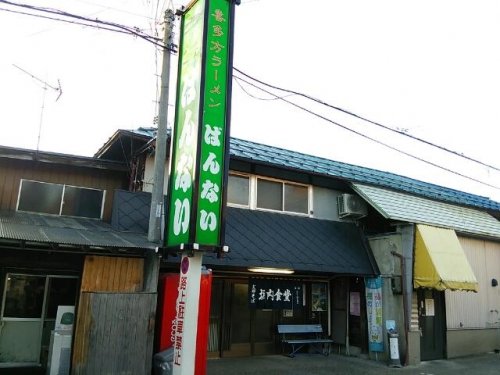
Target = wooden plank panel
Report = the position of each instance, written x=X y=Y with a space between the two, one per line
x=106 y=274
x=120 y=340
x=82 y=329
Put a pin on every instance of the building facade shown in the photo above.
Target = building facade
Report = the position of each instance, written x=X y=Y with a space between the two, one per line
x=277 y=200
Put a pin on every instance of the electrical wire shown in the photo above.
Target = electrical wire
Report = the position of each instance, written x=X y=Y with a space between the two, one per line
x=61 y=20
x=366 y=119
x=115 y=27
x=256 y=97
x=108 y=25
x=366 y=136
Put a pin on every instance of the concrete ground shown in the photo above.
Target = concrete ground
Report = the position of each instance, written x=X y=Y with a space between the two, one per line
x=311 y=364
x=485 y=364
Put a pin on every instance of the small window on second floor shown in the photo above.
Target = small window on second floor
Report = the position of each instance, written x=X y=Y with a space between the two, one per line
x=296 y=198
x=270 y=194
x=238 y=190
x=282 y=196
x=58 y=199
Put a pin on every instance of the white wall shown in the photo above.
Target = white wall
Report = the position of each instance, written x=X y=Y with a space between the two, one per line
x=149 y=173
x=481 y=309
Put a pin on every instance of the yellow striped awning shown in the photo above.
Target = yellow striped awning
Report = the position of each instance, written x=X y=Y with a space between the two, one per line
x=440 y=262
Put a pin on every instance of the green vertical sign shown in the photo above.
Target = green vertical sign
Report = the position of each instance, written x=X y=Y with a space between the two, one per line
x=185 y=134
x=213 y=132
x=196 y=193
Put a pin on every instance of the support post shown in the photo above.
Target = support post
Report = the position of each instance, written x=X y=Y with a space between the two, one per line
x=155 y=214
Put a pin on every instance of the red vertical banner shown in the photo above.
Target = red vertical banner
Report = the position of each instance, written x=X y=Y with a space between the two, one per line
x=166 y=327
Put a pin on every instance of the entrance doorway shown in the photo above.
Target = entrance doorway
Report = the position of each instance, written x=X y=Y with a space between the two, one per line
x=28 y=314
x=236 y=330
x=432 y=324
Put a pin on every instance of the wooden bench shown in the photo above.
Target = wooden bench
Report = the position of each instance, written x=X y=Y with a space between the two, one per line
x=300 y=335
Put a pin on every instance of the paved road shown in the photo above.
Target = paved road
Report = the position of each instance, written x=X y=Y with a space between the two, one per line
x=487 y=364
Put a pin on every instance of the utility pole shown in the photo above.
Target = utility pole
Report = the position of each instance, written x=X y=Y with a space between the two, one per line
x=154 y=231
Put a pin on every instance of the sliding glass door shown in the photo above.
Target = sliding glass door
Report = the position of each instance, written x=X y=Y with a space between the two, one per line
x=28 y=312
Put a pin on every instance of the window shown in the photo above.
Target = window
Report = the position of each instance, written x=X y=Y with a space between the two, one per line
x=24 y=296
x=282 y=196
x=60 y=199
x=296 y=198
x=270 y=195
x=238 y=189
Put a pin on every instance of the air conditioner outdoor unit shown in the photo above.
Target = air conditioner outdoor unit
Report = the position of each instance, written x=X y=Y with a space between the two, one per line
x=351 y=206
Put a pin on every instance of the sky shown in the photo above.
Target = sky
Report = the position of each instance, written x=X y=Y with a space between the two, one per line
x=426 y=68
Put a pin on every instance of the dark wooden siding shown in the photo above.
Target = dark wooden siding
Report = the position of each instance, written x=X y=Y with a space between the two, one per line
x=114 y=334
x=13 y=170
x=115 y=319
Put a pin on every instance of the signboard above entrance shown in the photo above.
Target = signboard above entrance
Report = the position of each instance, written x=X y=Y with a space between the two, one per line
x=274 y=294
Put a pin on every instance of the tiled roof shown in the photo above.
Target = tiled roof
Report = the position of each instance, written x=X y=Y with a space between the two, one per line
x=410 y=208
x=270 y=155
x=267 y=239
x=255 y=152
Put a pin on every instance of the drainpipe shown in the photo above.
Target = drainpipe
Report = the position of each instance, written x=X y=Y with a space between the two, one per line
x=403 y=290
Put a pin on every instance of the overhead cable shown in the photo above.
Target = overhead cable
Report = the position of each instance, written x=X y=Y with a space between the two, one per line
x=135 y=31
x=319 y=101
x=365 y=136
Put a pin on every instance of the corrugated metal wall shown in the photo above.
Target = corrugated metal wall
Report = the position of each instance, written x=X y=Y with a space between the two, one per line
x=12 y=171
x=477 y=310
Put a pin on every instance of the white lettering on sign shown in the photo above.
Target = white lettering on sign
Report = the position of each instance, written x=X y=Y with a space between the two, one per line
x=212 y=135
x=180 y=314
x=210 y=191
x=188 y=130
x=208 y=221
x=188 y=92
x=254 y=290
x=181 y=216
x=211 y=164
x=184 y=167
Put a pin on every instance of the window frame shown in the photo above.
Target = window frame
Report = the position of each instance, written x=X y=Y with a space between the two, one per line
x=249 y=177
x=283 y=195
x=61 y=204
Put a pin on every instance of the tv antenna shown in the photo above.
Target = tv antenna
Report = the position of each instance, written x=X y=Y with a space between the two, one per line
x=45 y=86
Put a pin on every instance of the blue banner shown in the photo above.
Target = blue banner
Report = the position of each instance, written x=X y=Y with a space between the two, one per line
x=374 y=314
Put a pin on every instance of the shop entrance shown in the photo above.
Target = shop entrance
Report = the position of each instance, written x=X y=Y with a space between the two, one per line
x=235 y=330
x=28 y=313
x=239 y=328
x=431 y=320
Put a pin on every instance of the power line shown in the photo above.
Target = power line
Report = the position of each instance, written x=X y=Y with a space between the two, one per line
x=110 y=26
x=366 y=119
x=258 y=98
x=367 y=137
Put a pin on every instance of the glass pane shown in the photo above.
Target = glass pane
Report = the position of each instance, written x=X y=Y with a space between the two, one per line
x=238 y=190
x=62 y=291
x=82 y=202
x=24 y=296
x=296 y=198
x=264 y=326
x=19 y=342
x=240 y=315
x=40 y=197
x=270 y=195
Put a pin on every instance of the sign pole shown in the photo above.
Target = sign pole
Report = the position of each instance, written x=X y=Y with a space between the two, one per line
x=199 y=160
x=186 y=327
